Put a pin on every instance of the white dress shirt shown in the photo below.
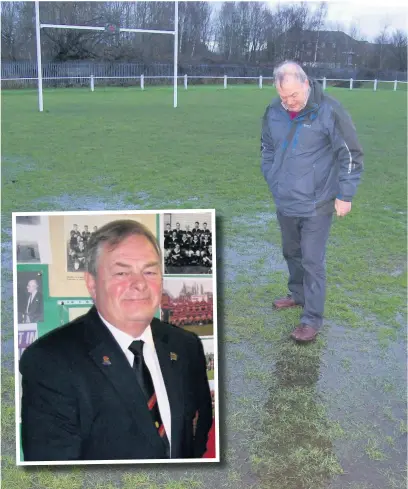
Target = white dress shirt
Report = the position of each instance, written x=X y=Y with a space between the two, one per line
x=152 y=362
x=30 y=300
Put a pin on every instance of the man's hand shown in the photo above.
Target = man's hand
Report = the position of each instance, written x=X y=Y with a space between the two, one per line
x=342 y=207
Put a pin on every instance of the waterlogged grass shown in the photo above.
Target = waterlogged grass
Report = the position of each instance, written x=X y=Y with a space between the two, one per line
x=327 y=415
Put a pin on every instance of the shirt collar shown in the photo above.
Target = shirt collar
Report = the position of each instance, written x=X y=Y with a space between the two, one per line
x=125 y=339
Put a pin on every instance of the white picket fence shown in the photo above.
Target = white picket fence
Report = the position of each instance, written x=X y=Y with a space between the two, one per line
x=186 y=78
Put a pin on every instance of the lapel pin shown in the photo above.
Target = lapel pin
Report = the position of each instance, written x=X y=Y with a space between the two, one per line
x=106 y=361
x=173 y=356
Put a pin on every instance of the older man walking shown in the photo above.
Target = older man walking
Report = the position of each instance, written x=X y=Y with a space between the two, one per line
x=312 y=162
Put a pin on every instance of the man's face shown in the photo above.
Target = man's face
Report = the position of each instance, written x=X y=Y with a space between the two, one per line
x=293 y=93
x=177 y=226
x=76 y=265
x=75 y=227
x=95 y=228
x=205 y=226
x=86 y=228
x=127 y=289
x=168 y=227
x=195 y=239
x=32 y=287
x=196 y=224
x=187 y=227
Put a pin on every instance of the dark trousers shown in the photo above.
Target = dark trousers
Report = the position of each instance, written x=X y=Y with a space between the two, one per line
x=304 y=242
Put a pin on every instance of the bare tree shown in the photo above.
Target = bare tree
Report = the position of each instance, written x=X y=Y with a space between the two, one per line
x=398 y=48
x=316 y=23
x=381 y=42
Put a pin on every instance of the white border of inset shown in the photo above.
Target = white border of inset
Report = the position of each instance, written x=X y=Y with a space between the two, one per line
x=215 y=335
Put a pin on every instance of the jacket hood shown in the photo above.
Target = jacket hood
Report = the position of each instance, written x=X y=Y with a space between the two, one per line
x=316 y=92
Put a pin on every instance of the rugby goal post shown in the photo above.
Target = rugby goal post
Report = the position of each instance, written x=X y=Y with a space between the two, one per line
x=39 y=26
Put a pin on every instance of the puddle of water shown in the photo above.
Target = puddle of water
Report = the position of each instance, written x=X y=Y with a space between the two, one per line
x=7 y=353
x=67 y=202
x=259 y=219
x=358 y=382
x=6 y=256
x=243 y=256
x=401 y=319
x=13 y=166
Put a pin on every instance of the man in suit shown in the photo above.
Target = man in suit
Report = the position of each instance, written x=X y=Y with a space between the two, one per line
x=116 y=383
x=33 y=308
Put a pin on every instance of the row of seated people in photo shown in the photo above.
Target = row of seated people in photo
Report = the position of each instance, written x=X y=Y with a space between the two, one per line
x=195 y=243
x=188 y=256
x=178 y=233
x=198 y=320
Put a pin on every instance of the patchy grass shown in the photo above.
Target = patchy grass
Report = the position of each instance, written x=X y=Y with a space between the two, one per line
x=285 y=428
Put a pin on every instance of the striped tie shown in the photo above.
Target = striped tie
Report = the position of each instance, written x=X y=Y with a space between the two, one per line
x=145 y=381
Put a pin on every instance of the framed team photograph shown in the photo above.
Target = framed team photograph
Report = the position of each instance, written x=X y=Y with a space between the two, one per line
x=77 y=231
x=188 y=240
x=189 y=303
x=68 y=234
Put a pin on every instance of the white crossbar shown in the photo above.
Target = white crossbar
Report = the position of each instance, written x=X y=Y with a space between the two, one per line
x=91 y=28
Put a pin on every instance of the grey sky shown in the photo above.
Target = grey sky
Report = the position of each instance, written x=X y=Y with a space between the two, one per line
x=370 y=15
x=371 y=18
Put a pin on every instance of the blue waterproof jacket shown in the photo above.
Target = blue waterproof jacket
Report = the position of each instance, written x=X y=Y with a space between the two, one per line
x=312 y=159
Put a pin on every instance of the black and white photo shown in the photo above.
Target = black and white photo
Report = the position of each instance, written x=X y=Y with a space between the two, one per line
x=188 y=243
x=30 y=298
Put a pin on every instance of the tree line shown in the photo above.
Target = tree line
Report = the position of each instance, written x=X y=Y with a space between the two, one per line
x=228 y=32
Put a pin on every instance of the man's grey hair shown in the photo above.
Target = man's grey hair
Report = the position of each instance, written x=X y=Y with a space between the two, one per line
x=288 y=69
x=111 y=235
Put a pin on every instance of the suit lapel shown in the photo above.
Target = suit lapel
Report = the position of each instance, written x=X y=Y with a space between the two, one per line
x=171 y=365
x=109 y=358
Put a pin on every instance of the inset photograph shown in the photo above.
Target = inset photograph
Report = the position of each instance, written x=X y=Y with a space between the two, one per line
x=188 y=303
x=30 y=302
x=104 y=327
x=188 y=241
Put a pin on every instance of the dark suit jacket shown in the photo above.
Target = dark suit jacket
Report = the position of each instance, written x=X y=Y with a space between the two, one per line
x=81 y=400
x=35 y=309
